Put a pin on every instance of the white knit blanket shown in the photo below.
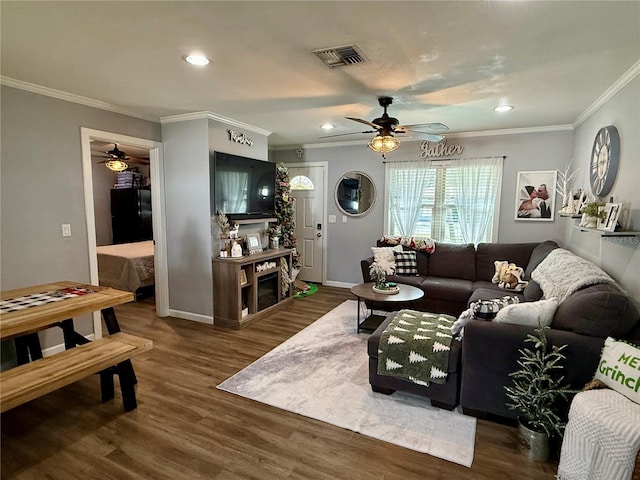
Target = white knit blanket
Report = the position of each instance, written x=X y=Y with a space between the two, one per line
x=602 y=438
x=561 y=273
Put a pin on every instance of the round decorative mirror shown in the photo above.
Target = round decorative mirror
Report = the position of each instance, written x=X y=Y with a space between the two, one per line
x=355 y=194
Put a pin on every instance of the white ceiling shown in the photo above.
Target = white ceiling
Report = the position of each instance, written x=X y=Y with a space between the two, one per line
x=449 y=62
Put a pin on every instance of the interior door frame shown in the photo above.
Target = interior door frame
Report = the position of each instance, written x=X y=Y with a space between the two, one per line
x=325 y=229
x=158 y=218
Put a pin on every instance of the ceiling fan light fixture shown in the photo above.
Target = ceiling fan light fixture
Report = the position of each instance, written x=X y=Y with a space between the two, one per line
x=384 y=143
x=327 y=126
x=503 y=108
x=116 y=165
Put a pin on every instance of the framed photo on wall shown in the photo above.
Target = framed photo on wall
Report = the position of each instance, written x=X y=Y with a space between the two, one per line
x=536 y=195
x=611 y=215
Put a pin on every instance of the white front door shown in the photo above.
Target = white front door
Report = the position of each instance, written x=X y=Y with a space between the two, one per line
x=309 y=207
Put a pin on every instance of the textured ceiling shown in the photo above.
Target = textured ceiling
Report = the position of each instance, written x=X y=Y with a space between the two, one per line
x=449 y=62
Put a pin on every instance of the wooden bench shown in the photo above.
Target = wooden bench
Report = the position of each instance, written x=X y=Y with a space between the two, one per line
x=107 y=356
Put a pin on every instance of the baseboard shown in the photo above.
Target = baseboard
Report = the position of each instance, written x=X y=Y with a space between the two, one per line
x=339 y=284
x=52 y=350
x=194 y=317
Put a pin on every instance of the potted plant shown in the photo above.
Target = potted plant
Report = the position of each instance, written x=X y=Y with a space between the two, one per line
x=537 y=387
x=379 y=276
x=591 y=212
x=223 y=223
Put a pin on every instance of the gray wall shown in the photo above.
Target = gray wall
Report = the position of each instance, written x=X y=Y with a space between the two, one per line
x=42 y=188
x=621 y=258
x=189 y=233
x=351 y=241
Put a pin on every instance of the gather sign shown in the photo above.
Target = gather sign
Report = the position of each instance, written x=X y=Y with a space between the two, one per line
x=439 y=149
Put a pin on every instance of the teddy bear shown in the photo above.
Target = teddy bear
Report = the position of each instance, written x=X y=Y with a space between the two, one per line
x=509 y=276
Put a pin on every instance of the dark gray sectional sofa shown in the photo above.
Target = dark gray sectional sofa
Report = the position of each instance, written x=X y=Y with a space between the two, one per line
x=455 y=275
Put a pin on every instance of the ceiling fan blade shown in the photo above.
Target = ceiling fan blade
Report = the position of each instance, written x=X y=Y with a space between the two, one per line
x=432 y=137
x=437 y=126
x=352 y=133
x=372 y=125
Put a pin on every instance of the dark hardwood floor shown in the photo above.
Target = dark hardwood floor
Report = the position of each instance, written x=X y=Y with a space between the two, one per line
x=184 y=428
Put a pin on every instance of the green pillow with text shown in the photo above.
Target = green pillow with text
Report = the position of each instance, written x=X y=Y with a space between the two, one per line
x=619 y=368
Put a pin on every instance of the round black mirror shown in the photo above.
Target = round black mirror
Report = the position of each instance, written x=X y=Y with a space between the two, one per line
x=355 y=194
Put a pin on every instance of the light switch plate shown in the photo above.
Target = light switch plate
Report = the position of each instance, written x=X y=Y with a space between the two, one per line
x=66 y=230
x=332 y=219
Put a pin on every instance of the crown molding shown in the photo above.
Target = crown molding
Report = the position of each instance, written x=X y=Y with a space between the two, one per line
x=70 y=97
x=483 y=133
x=184 y=117
x=609 y=93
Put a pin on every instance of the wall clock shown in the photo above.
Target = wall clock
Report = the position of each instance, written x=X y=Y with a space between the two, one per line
x=605 y=156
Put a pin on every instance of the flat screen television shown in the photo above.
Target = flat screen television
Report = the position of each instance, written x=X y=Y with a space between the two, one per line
x=242 y=188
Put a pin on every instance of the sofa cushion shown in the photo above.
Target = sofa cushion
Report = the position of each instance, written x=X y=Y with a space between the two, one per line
x=538 y=255
x=531 y=314
x=450 y=289
x=533 y=292
x=488 y=253
x=406 y=263
x=453 y=261
x=413 y=280
x=599 y=311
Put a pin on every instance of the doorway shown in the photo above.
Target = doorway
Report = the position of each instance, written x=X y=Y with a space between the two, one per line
x=308 y=187
x=156 y=173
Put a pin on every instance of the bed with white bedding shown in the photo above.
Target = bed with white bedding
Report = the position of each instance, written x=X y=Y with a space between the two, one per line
x=126 y=266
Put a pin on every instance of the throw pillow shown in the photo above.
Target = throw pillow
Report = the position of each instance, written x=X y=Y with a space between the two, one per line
x=619 y=368
x=406 y=263
x=383 y=257
x=488 y=309
x=530 y=314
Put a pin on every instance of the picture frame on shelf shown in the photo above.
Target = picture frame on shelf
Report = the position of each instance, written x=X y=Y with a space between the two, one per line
x=535 y=195
x=611 y=216
x=254 y=243
x=243 y=277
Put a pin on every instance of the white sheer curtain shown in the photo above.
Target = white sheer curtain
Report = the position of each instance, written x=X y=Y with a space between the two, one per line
x=475 y=193
x=234 y=187
x=405 y=183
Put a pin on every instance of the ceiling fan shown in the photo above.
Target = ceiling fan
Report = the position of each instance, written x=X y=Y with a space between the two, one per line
x=386 y=127
x=116 y=159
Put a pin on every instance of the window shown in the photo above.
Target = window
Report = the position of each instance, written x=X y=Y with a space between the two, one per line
x=455 y=201
x=300 y=182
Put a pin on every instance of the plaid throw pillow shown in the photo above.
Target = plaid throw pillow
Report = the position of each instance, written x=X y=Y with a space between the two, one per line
x=406 y=263
x=488 y=309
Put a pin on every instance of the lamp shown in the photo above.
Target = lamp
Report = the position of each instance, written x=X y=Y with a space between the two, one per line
x=383 y=143
x=116 y=165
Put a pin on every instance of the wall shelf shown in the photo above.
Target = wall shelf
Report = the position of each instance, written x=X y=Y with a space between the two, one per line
x=603 y=233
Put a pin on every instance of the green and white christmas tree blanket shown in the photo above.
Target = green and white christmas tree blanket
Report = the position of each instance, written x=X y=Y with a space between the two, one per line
x=415 y=347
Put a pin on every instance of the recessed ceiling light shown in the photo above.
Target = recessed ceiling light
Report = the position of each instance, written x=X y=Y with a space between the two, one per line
x=503 y=108
x=196 y=60
x=327 y=126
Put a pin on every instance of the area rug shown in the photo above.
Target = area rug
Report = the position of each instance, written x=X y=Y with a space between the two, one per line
x=322 y=373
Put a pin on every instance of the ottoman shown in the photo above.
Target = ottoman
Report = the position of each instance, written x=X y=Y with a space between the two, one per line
x=441 y=395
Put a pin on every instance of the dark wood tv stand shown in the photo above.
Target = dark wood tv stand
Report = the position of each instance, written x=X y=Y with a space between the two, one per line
x=261 y=294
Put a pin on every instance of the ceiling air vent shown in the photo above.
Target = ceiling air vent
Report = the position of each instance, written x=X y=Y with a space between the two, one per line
x=340 y=56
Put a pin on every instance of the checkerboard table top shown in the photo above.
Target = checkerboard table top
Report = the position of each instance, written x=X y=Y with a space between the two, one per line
x=26 y=310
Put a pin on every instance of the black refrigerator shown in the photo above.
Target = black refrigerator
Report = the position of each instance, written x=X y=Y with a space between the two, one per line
x=131 y=215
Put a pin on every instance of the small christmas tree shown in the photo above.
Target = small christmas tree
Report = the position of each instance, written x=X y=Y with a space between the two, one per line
x=537 y=385
x=285 y=213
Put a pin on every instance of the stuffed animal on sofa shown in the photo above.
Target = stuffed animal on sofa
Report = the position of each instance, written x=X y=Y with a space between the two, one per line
x=509 y=276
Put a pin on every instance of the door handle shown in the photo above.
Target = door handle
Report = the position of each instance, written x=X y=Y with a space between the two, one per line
x=318 y=235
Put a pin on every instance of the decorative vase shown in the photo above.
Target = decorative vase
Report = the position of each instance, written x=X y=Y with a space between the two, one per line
x=534 y=444
x=275 y=242
x=591 y=222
